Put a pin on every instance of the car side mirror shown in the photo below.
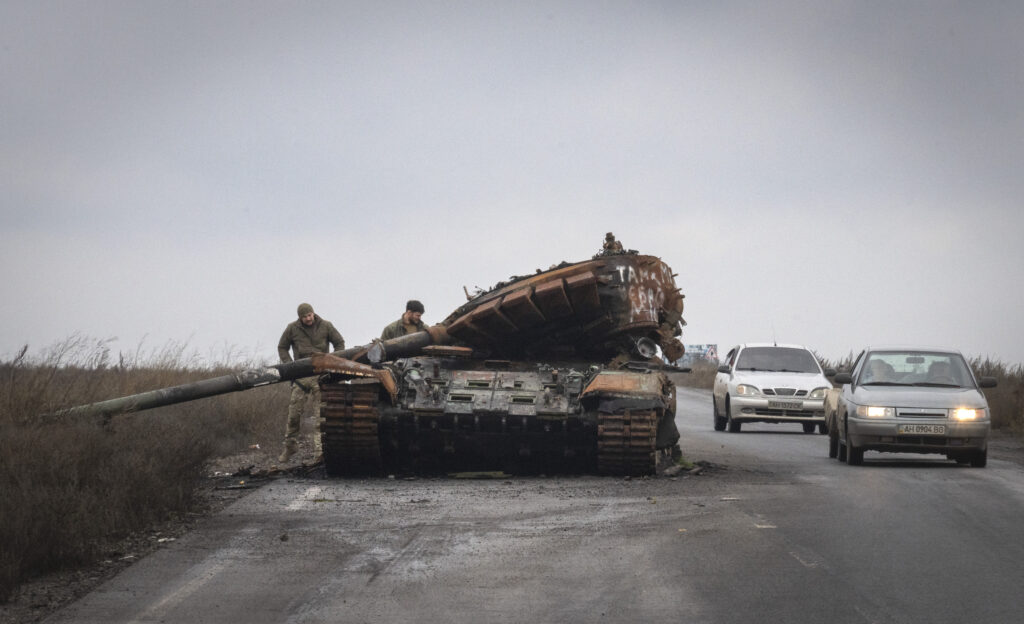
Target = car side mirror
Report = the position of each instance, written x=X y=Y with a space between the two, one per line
x=724 y=368
x=987 y=382
x=830 y=372
x=843 y=378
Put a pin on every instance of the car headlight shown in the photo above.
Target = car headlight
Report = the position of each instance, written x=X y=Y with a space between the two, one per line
x=745 y=390
x=871 y=411
x=967 y=413
x=817 y=393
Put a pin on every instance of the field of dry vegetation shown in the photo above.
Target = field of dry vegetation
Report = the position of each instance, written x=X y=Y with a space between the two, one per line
x=72 y=487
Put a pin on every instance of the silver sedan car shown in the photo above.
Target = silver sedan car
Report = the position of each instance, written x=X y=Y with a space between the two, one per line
x=911 y=400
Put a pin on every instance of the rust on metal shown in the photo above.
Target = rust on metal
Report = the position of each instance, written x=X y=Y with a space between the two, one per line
x=583 y=293
x=595 y=308
x=619 y=383
x=553 y=300
x=447 y=351
x=520 y=308
x=490 y=318
x=350 y=427
x=327 y=363
x=626 y=443
x=438 y=335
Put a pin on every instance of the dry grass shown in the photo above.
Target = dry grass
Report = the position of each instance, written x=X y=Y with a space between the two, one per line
x=72 y=486
x=1006 y=400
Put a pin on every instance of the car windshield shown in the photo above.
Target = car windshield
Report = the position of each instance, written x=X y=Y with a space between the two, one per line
x=916 y=368
x=777 y=359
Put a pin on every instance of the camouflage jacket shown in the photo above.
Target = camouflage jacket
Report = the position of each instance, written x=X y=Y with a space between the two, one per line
x=397 y=329
x=305 y=341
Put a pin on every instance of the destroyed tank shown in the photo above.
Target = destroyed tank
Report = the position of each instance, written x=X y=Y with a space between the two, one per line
x=552 y=372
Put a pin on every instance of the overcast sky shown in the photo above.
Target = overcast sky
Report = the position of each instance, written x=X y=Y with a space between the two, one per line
x=835 y=174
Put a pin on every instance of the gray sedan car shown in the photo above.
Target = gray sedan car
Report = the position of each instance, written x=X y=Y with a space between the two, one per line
x=910 y=400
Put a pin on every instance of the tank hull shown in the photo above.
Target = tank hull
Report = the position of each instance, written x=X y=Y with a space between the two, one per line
x=455 y=415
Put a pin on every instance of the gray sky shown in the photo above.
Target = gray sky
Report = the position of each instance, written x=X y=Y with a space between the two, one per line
x=834 y=174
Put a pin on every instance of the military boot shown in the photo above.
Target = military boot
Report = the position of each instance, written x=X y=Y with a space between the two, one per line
x=289 y=450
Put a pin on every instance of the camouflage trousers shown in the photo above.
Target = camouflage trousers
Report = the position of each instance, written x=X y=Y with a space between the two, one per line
x=302 y=390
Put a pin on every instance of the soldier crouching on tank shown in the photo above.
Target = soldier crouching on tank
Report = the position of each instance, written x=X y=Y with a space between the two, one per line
x=308 y=335
x=611 y=244
x=410 y=323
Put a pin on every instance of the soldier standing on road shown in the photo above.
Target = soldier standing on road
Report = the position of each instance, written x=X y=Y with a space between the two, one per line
x=410 y=322
x=308 y=335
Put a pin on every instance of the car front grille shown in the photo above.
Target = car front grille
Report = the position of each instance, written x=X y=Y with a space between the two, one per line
x=784 y=392
x=771 y=411
x=920 y=413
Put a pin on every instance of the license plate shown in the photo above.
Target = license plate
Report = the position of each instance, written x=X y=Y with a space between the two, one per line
x=924 y=429
x=785 y=405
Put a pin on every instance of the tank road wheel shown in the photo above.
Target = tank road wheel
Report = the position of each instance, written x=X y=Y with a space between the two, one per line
x=350 y=428
x=626 y=443
x=719 y=420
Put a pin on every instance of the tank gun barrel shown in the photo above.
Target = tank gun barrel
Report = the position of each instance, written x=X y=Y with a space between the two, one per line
x=224 y=384
x=252 y=378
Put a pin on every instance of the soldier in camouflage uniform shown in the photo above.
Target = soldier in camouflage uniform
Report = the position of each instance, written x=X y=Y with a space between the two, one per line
x=308 y=335
x=410 y=322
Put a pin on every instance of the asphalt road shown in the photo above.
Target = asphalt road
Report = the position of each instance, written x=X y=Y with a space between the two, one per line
x=774 y=532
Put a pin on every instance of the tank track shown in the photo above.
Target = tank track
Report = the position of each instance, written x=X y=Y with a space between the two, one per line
x=350 y=428
x=626 y=443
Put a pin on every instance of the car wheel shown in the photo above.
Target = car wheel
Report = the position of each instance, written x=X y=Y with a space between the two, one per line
x=822 y=428
x=833 y=444
x=841 y=452
x=854 y=455
x=808 y=427
x=734 y=427
x=980 y=459
x=719 y=420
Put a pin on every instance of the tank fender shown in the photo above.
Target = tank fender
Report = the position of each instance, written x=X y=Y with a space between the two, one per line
x=632 y=385
x=326 y=363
